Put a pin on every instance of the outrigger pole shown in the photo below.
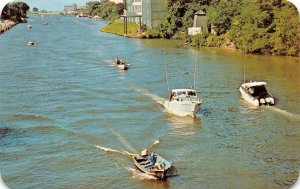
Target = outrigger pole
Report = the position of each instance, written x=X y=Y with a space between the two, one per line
x=195 y=69
x=166 y=73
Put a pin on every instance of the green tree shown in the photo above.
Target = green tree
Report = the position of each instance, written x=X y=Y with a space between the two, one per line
x=34 y=9
x=16 y=11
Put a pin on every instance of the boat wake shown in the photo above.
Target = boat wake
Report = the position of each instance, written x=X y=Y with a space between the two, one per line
x=126 y=153
x=136 y=174
x=124 y=141
x=154 y=97
x=284 y=112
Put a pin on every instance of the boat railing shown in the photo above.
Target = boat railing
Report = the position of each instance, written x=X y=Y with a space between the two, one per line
x=187 y=99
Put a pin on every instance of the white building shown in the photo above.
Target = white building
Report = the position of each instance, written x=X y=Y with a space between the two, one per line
x=117 y=1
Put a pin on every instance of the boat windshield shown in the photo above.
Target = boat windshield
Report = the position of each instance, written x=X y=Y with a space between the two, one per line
x=192 y=93
x=181 y=94
x=259 y=91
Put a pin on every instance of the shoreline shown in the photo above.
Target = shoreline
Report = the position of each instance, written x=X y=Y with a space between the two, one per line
x=225 y=46
x=6 y=25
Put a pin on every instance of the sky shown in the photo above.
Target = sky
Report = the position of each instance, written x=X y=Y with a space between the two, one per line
x=49 y=5
x=53 y=5
x=58 y=5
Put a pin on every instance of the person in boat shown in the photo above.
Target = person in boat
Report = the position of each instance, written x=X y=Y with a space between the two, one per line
x=117 y=60
x=151 y=160
x=144 y=153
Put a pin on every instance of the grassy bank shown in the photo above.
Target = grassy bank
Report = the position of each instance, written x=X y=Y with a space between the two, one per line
x=117 y=27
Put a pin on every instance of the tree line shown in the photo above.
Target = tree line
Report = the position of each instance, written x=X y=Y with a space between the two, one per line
x=106 y=9
x=16 y=12
x=253 y=26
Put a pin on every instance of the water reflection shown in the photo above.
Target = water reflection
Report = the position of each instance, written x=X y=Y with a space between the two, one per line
x=183 y=126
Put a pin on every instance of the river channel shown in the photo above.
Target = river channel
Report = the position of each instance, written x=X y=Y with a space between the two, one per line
x=62 y=97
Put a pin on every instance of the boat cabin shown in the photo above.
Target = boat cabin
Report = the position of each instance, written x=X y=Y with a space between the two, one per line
x=257 y=89
x=182 y=94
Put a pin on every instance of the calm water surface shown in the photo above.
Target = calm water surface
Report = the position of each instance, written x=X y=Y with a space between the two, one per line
x=62 y=97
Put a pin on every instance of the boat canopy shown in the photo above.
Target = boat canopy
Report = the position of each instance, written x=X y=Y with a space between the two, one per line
x=184 y=92
x=254 y=84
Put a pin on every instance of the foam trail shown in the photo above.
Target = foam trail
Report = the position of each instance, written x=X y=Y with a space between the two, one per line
x=136 y=174
x=124 y=141
x=109 y=61
x=154 y=97
x=284 y=112
x=156 y=142
x=126 y=153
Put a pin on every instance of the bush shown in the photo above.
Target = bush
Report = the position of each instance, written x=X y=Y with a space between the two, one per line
x=214 y=41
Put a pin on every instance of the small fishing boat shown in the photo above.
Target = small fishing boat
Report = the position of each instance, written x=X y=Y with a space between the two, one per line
x=256 y=94
x=31 y=43
x=183 y=102
x=121 y=64
x=29 y=26
x=152 y=164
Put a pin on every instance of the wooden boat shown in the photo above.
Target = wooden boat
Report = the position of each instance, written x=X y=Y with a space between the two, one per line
x=153 y=164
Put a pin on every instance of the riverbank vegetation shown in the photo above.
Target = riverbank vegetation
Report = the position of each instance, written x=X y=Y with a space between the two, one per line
x=252 y=26
x=12 y=14
x=117 y=27
x=16 y=12
x=264 y=27
x=105 y=9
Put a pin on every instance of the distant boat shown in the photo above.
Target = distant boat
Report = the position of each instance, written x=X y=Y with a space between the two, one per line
x=121 y=64
x=256 y=93
x=31 y=43
x=45 y=23
x=153 y=164
x=29 y=26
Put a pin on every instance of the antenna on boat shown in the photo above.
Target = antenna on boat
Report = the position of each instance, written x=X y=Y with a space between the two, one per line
x=244 y=70
x=166 y=73
x=195 y=69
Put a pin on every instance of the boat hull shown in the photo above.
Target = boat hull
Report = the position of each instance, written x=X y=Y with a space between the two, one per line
x=151 y=170
x=256 y=101
x=179 y=108
x=248 y=98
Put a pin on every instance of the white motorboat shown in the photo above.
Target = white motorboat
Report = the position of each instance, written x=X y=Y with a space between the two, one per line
x=29 y=26
x=256 y=93
x=183 y=102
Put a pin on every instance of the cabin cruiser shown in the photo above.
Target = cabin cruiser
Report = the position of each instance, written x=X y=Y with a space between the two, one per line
x=256 y=93
x=152 y=164
x=183 y=102
x=121 y=64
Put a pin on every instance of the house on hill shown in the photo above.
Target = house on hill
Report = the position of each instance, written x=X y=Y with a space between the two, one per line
x=200 y=23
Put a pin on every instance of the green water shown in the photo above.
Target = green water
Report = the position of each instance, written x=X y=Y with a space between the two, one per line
x=62 y=97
